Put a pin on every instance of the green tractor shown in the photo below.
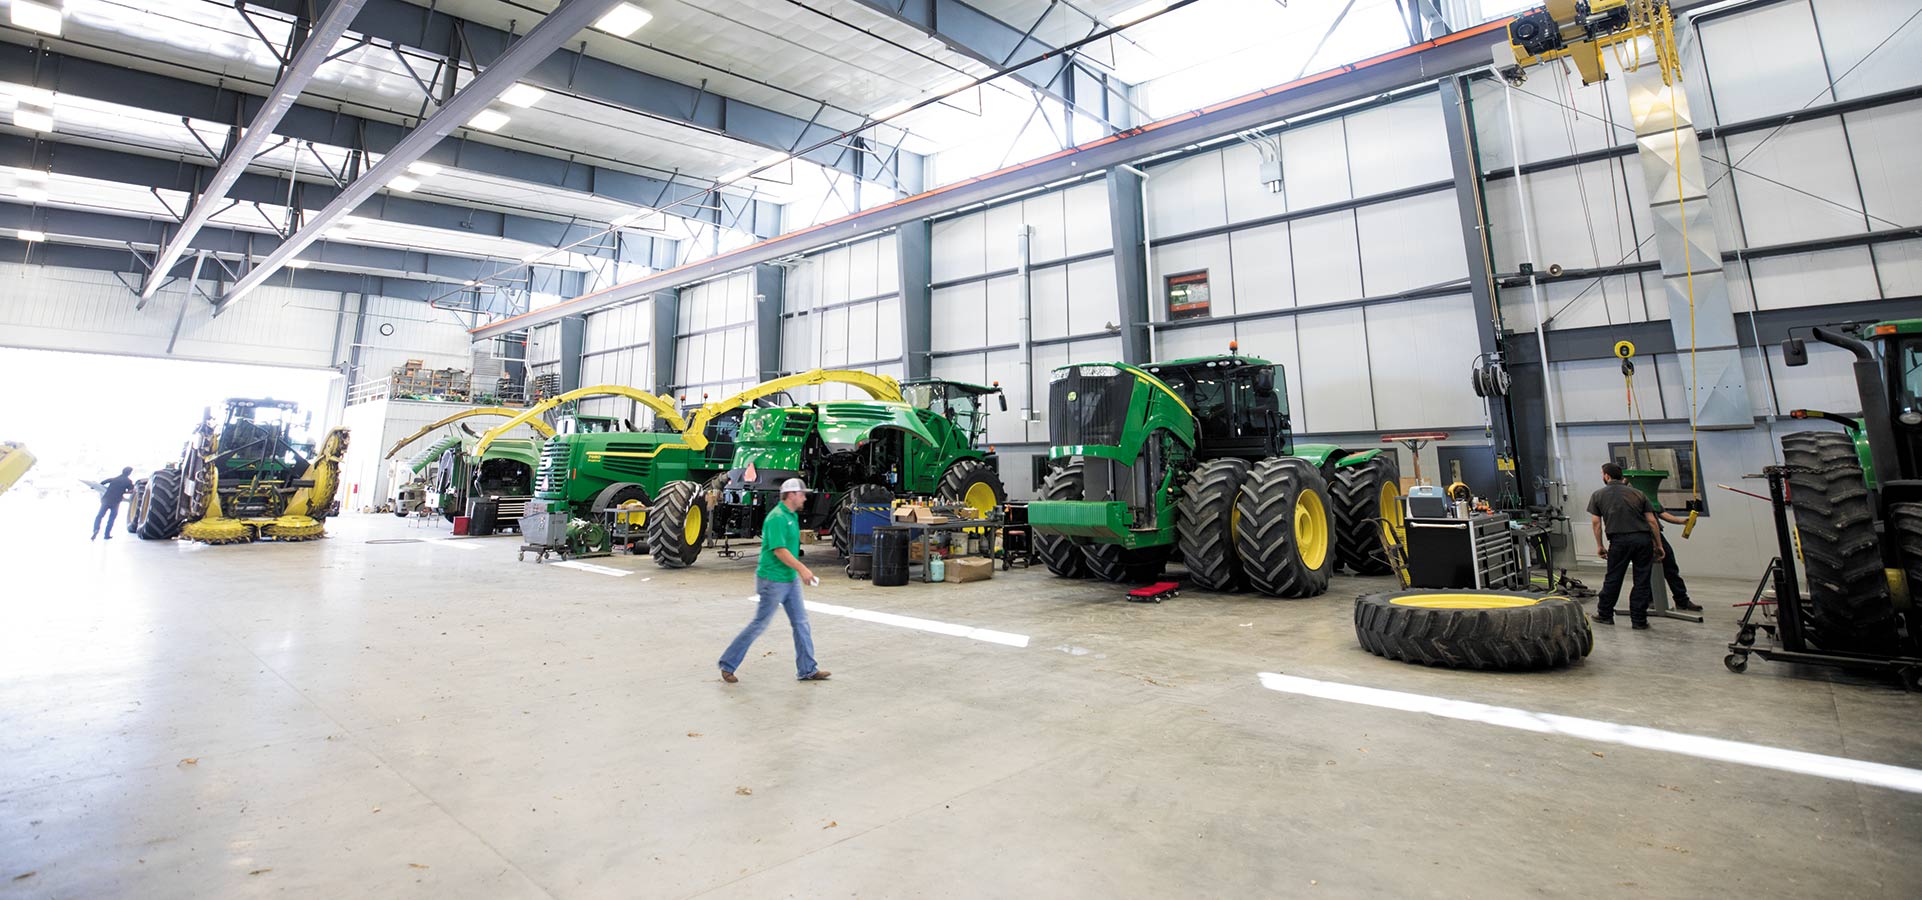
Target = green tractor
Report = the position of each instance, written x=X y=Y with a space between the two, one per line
x=1857 y=495
x=450 y=471
x=1193 y=460
x=922 y=442
x=246 y=480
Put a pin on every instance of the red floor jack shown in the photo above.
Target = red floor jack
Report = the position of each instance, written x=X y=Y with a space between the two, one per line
x=1155 y=593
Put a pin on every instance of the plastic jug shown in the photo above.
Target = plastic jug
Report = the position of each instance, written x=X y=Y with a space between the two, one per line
x=937 y=569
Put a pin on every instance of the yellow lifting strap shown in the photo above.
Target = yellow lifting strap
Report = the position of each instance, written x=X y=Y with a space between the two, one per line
x=879 y=387
x=502 y=411
x=662 y=407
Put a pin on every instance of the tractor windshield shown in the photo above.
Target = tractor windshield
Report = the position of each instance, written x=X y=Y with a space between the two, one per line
x=1909 y=365
x=1089 y=405
x=958 y=405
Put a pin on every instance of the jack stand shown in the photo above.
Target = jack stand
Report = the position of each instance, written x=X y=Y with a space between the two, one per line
x=1658 y=603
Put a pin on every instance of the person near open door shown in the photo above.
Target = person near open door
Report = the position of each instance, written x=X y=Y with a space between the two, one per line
x=112 y=491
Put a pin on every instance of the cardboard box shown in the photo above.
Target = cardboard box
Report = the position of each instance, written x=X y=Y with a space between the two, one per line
x=972 y=568
x=918 y=514
x=808 y=536
x=915 y=553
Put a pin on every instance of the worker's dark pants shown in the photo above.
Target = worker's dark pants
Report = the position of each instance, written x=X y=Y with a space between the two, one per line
x=1628 y=548
x=1672 y=573
x=110 y=511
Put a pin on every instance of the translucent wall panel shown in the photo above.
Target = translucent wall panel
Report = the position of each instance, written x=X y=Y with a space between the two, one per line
x=1764 y=61
x=1398 y=145
x=1862 y=40
x=1187 y=195
x=1418 y=358
x=1327 y=261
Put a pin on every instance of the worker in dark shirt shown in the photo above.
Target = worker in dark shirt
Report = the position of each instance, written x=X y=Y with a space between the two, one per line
x=1672 y=573
x=1633 y=536
x=112 y=491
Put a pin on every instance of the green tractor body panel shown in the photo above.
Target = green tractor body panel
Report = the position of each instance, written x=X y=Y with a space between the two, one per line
x=1109 y=410
x=575 y=468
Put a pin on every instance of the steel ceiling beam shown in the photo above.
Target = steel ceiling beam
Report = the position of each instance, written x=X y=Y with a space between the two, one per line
x=121 y=167
x=1460 y=52
x=986 y=39
x=555 y=29
x=108 y=259
x=109 y=83
x=315 y=43
x=431 y=32
x=236 y=244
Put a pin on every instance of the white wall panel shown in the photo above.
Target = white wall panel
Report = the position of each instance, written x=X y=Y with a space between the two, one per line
x=1186 y=195
x=438 y=338
x=1398 y=145
x=887 y=264
x=1590 y=390
x=1210 y=254
x=1334 y=373
x=1204 y=340
x=1274 y=340
x=1900 y=265
x=1088 y=227
x=1795 y=183
x=864 y=268
x=1003 y=365
x=1050 y=298
x=1549 y=129
x=960 y=317
x=1248 y=198
x=1811 y=279
x=958 y=247
x=1827 y=382
x=1852 y=30
x=887 y=328
x=1047 y=216
x=1885 y=142
x=1327 y=259
x=1093 y=300
x=862 y=336
x=1763 y=61
x=1003 y=310
x=1314 y=165
x=1414 y=351
x=1264 y=272
x=1411 y=243
x=833 y=336
x=835 y=278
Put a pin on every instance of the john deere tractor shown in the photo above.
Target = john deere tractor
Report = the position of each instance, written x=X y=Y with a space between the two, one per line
x=450 y=471
x=1857 y=495
x=917 y=439
x=1193 y=460
x=245 y=480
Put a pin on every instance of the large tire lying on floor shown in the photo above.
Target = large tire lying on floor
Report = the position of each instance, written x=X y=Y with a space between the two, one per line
x=159 y=515
x=677 y=525
x=1473 y=629
x=1058 y=552
x=1363 y=495
x=1205 y=522
x=1848 y=589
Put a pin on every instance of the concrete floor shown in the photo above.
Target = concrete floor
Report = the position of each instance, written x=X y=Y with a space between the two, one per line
x=347 y=718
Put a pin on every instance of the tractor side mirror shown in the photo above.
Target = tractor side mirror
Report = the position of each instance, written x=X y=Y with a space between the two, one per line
x=1265 y=380
x=1795 y=352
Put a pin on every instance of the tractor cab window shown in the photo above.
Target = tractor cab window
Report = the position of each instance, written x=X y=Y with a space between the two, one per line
x=1209 y=396
x=1252 y=405
x=1908 y=363
x=956 y=404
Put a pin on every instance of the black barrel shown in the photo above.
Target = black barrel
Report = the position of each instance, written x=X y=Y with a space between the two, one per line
x=482 y=516
x=860 y=565
x=890 y=557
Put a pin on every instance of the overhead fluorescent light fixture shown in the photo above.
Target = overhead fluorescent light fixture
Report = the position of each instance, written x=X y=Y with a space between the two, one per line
x=38 y=15
x=34 y=111
x=31 y=236
x=1135 y=14
x=338 y=232
x=489 y=120
x=31 y=185
x=404 y=183
x=623 y=20
x=522 y=95
x=298 y=264
x=423 y=169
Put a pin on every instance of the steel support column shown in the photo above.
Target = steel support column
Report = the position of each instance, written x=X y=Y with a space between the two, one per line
x=915 y=244
x=555 y=29
x=1130 y=264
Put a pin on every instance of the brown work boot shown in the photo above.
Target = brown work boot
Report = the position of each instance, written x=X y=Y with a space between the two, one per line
x=728 y=677
x=819 y=675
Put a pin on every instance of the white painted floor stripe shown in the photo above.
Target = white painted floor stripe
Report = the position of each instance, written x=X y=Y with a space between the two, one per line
x=590 y=567
x=929 y=625
x=1855 y=770
x=455 y=543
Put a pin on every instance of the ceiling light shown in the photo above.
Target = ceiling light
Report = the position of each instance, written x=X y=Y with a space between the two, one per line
x=623 y=20
x=31 y=236
x=473 y=284
x=37 y=15
x=1137 y=13
x=32 y=194
x=338 y=232
x=488 y=120
x=33 y=118
x=522 y=95
x=298 y=264
x=423 y=169
x=404 y=183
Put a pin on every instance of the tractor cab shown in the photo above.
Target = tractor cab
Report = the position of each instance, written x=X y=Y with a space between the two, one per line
x=580 y=424
x=1240 y=404
x=961 y=403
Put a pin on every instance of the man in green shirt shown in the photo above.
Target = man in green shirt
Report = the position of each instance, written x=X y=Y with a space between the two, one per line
x=777 y=581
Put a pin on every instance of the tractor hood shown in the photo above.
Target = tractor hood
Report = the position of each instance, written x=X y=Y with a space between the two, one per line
x=846 y=424
x=773 y=439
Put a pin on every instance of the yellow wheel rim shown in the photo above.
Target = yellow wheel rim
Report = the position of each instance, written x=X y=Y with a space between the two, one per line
x=1234 y=522
x=691 y=529
x=1391 y=508
x=633 y=512
x=1311 y=529
x=1468 y=601
x=980 y=498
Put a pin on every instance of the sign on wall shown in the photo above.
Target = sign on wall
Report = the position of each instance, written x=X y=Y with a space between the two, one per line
x=1188 y=295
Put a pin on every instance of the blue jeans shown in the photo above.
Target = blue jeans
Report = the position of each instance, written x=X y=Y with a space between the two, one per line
x=786 y=595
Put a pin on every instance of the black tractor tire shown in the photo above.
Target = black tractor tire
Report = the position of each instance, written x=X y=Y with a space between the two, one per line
x=159 y=518
x=1059 y=552
x=1267 y=542
x=1848 y=587
x=1205 y=524
x=1905 y=522
x=841 y=526
x=1120 y=565
x=667 y=524
x=136 y=507
x=963 y=476
x=1357 y=494
x=1474 y=629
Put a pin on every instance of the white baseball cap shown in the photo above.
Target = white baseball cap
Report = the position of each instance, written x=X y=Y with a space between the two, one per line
x=793 y=485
